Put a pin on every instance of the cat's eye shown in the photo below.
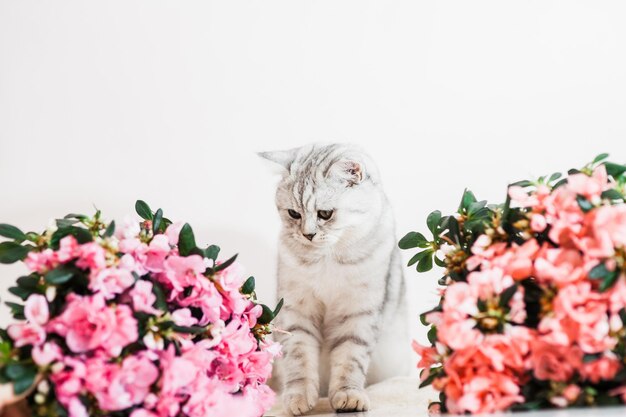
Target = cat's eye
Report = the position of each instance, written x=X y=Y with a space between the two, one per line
x=325 y=214
x=294 y=214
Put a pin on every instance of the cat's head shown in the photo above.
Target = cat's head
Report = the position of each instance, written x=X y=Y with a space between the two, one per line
x=327 y=193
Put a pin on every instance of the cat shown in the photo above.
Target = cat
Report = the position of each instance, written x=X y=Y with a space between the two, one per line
x=340 y=275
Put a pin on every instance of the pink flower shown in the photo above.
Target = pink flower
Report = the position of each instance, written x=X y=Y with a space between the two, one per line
x=119 y=387
x=231 y=278
x=41 y=262
x=183 y=317
x=538 y=223
x=553 y=362
x=88 y=323
x=26 y=334
x=559 y=266
x=173 y=231
x=76 y=408
x=158 y=250
x=604 y=368
x=143 y=297
x=184 y=271
x=36 y=309
x=521 y=197
x=47 y=353
x=142 y=412
x=110 y=281
x=68 y=249
x=589 y=186
x=91 y=256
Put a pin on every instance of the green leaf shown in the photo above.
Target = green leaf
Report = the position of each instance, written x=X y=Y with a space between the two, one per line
x=599 y=271
x=248 y=286
x=591 y=357
x=22 y=384
x=562 y=182
x=468 y=198
x=16 y=309
x=612 y=194
x=66 y=222
x=433 y=221
x=80 y=217
x=226 y=264
x=522 y=183
x=585 y=205
x=439 y=262
x=60 y=275
x=555 y=176
x=279 y=306
x=432 y=335
x=413 y=240
x=143 y=210
x=161 y=301
x=418 y=257
x=12 y=232
x=608 y=281
x=507 y=294
x=189 y=329
x=186 y=240
x=11 y=252
x=15 y=371
x=212 y=252
x=156 y=223
x=614 y=170
x=81 y=235
x=110 y=230
x=600 y=157
x=267 y=315
x=426 y=263
x=28 y=282
x=20 y=292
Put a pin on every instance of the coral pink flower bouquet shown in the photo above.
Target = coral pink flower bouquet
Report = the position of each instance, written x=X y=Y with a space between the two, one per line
x=533 y=300
x=133 y=321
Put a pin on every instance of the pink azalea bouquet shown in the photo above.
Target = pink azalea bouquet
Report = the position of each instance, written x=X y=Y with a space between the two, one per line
x=533 y=300
x=133 y=321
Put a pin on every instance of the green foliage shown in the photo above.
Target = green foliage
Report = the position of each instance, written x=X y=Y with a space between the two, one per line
x=11 y=252
x=143 y=210
x=12 y=232
x=186 y=240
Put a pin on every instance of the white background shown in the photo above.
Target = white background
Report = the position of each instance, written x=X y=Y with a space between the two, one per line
x=105 y=102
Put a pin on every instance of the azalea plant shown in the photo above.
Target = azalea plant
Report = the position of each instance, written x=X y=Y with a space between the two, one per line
x=133 y=321
x=533 y=296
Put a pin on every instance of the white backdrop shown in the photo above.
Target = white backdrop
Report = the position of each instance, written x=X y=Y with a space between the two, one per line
x=105 y=102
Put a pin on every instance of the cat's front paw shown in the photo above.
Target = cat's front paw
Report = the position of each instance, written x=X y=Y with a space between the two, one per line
x=350 y=399
x=300 y=400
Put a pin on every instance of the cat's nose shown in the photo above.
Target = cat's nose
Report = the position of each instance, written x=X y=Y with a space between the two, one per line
x=309 y=236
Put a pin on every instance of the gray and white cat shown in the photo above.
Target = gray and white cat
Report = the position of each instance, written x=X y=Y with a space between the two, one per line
x=340 y=274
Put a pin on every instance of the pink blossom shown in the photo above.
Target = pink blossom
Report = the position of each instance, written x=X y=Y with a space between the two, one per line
x=231 y=278
x=538 y=223
x=173 y=231
x=184 y=271
x=110 y=281
x=47 y=353
x=68 y=249
x=26 y=334
x=143 y=298
x=88 y=323
x=41 y=262
x=589 y=186
x=559 y=267
x=553 y=362
x=183 y=317
x=604 y=368
x=91 y=256
x=36 y=309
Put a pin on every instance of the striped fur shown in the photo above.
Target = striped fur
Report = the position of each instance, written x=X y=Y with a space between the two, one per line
x=344 y=296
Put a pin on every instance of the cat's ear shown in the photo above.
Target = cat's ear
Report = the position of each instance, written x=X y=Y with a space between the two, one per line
x=349 y=171
x=282 y=158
